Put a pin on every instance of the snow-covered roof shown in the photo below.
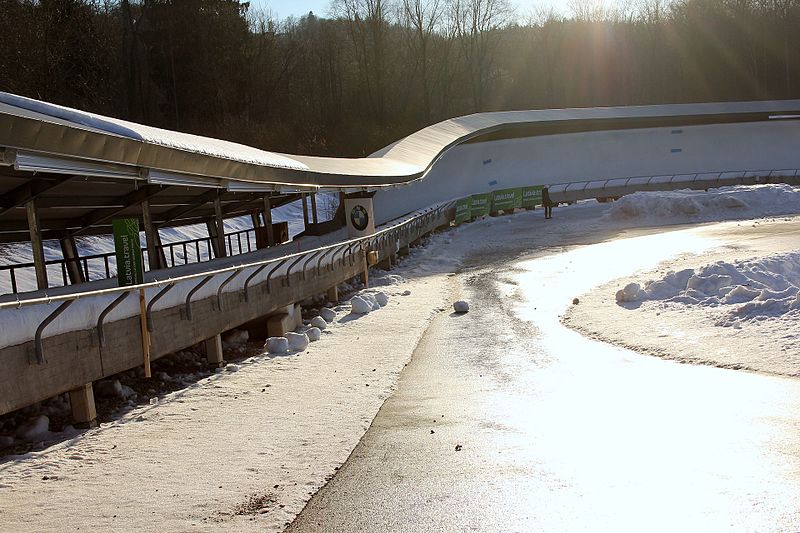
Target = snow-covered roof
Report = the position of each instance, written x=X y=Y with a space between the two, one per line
x=27 y=124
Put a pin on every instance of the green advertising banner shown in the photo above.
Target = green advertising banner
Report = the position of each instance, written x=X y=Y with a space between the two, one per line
x=480 y=204
x=506 y=199
x=532 y=196
x=462 y=210
x=130 y=269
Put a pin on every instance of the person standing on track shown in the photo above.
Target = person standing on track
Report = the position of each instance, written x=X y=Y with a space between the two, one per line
x=547 y=203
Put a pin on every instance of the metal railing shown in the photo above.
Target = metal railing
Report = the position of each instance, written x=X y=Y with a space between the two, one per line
x=581 y=189
x=104 y=265
x=413 y=226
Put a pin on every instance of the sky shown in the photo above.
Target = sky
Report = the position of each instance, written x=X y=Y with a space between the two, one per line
x=285 y=8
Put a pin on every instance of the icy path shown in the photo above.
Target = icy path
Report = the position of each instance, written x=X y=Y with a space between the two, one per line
x=505 y=420
x=241 y=450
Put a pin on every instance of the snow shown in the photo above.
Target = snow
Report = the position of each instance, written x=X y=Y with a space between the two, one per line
x=760 y=288
x=327 y=314
x=460 y=306
x=279 y=427
x=297 y=341
x=313 y=334
x=140 y=132
x=725 y=203
x=359 y=305
x=277 y=345
x=381 y=298
x=320 y=323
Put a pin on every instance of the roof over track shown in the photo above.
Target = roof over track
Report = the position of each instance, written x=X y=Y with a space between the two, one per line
x=31 y=125
x=84 y=169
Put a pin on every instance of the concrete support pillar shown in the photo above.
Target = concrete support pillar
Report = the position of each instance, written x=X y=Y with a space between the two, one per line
x=333 y=294
x=70 y=252
x=36 y=244
x=314 y=208
x=84 y=412
x=219 y=221
x=268 y=222
x=155 y=255
x=214 y=356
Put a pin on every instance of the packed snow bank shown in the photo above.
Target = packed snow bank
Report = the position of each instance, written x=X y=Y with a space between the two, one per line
x=734 y=304
x=752 y=289
x=724 y=203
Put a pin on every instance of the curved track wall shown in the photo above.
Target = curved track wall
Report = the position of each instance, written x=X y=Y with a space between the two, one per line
x=586 y=157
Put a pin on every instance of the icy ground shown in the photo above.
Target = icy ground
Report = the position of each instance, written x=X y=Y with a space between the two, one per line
x=244 y=449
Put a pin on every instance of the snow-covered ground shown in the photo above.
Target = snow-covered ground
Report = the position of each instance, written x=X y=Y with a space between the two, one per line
x=244 y=449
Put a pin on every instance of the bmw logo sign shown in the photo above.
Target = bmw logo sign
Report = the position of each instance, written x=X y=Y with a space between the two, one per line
x=359 y=218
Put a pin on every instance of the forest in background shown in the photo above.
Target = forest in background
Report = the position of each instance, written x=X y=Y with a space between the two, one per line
x=374 y=71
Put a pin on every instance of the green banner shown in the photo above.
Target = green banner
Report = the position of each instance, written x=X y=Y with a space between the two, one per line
x=462 y=210
x=480 y=204
x=130 y=269
x=532 y=196
x=506 y=199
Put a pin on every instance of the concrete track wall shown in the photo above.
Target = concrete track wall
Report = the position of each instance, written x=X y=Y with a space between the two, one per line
x=584 y=157
x=77 y=357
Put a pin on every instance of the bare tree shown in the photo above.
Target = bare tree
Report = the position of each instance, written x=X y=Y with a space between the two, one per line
x=368 y=26
x=478 y=24
x=422 y=17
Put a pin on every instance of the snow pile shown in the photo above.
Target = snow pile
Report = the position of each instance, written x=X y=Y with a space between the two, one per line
x=715 y=204
x=277 y=345
x=368 y=301
x=748 y=290
x=461 y=306
x=313 y=334
x=327 y=314
x=297 y=341
x=359 y=306
x=319 y=322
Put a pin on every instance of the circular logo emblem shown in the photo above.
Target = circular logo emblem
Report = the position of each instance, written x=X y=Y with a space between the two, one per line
x=359 y=218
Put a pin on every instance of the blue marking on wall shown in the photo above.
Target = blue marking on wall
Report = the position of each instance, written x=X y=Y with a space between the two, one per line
x=676 y=131
x=487 y=161
x=676 y=150
x=493 y=182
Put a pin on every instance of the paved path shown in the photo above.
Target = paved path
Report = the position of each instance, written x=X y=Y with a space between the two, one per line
x=504 y=423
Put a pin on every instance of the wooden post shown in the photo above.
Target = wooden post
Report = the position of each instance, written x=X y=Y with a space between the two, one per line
x=214 y=356
x=36 y=244
x=268 y=222
x=255 y=218
x=145 y=334
x=333 y=294
x=84 y=412
x=305 y=211
x=70 y=252
x=220 y=222
x=151 y=238
x=365 y=273
x=314 y=208
x=212 y=233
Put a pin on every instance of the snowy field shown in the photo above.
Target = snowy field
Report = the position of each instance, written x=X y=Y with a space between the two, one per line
x=244 y=449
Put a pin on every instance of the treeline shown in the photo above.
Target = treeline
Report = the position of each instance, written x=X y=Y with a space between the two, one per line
x=376 y=70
